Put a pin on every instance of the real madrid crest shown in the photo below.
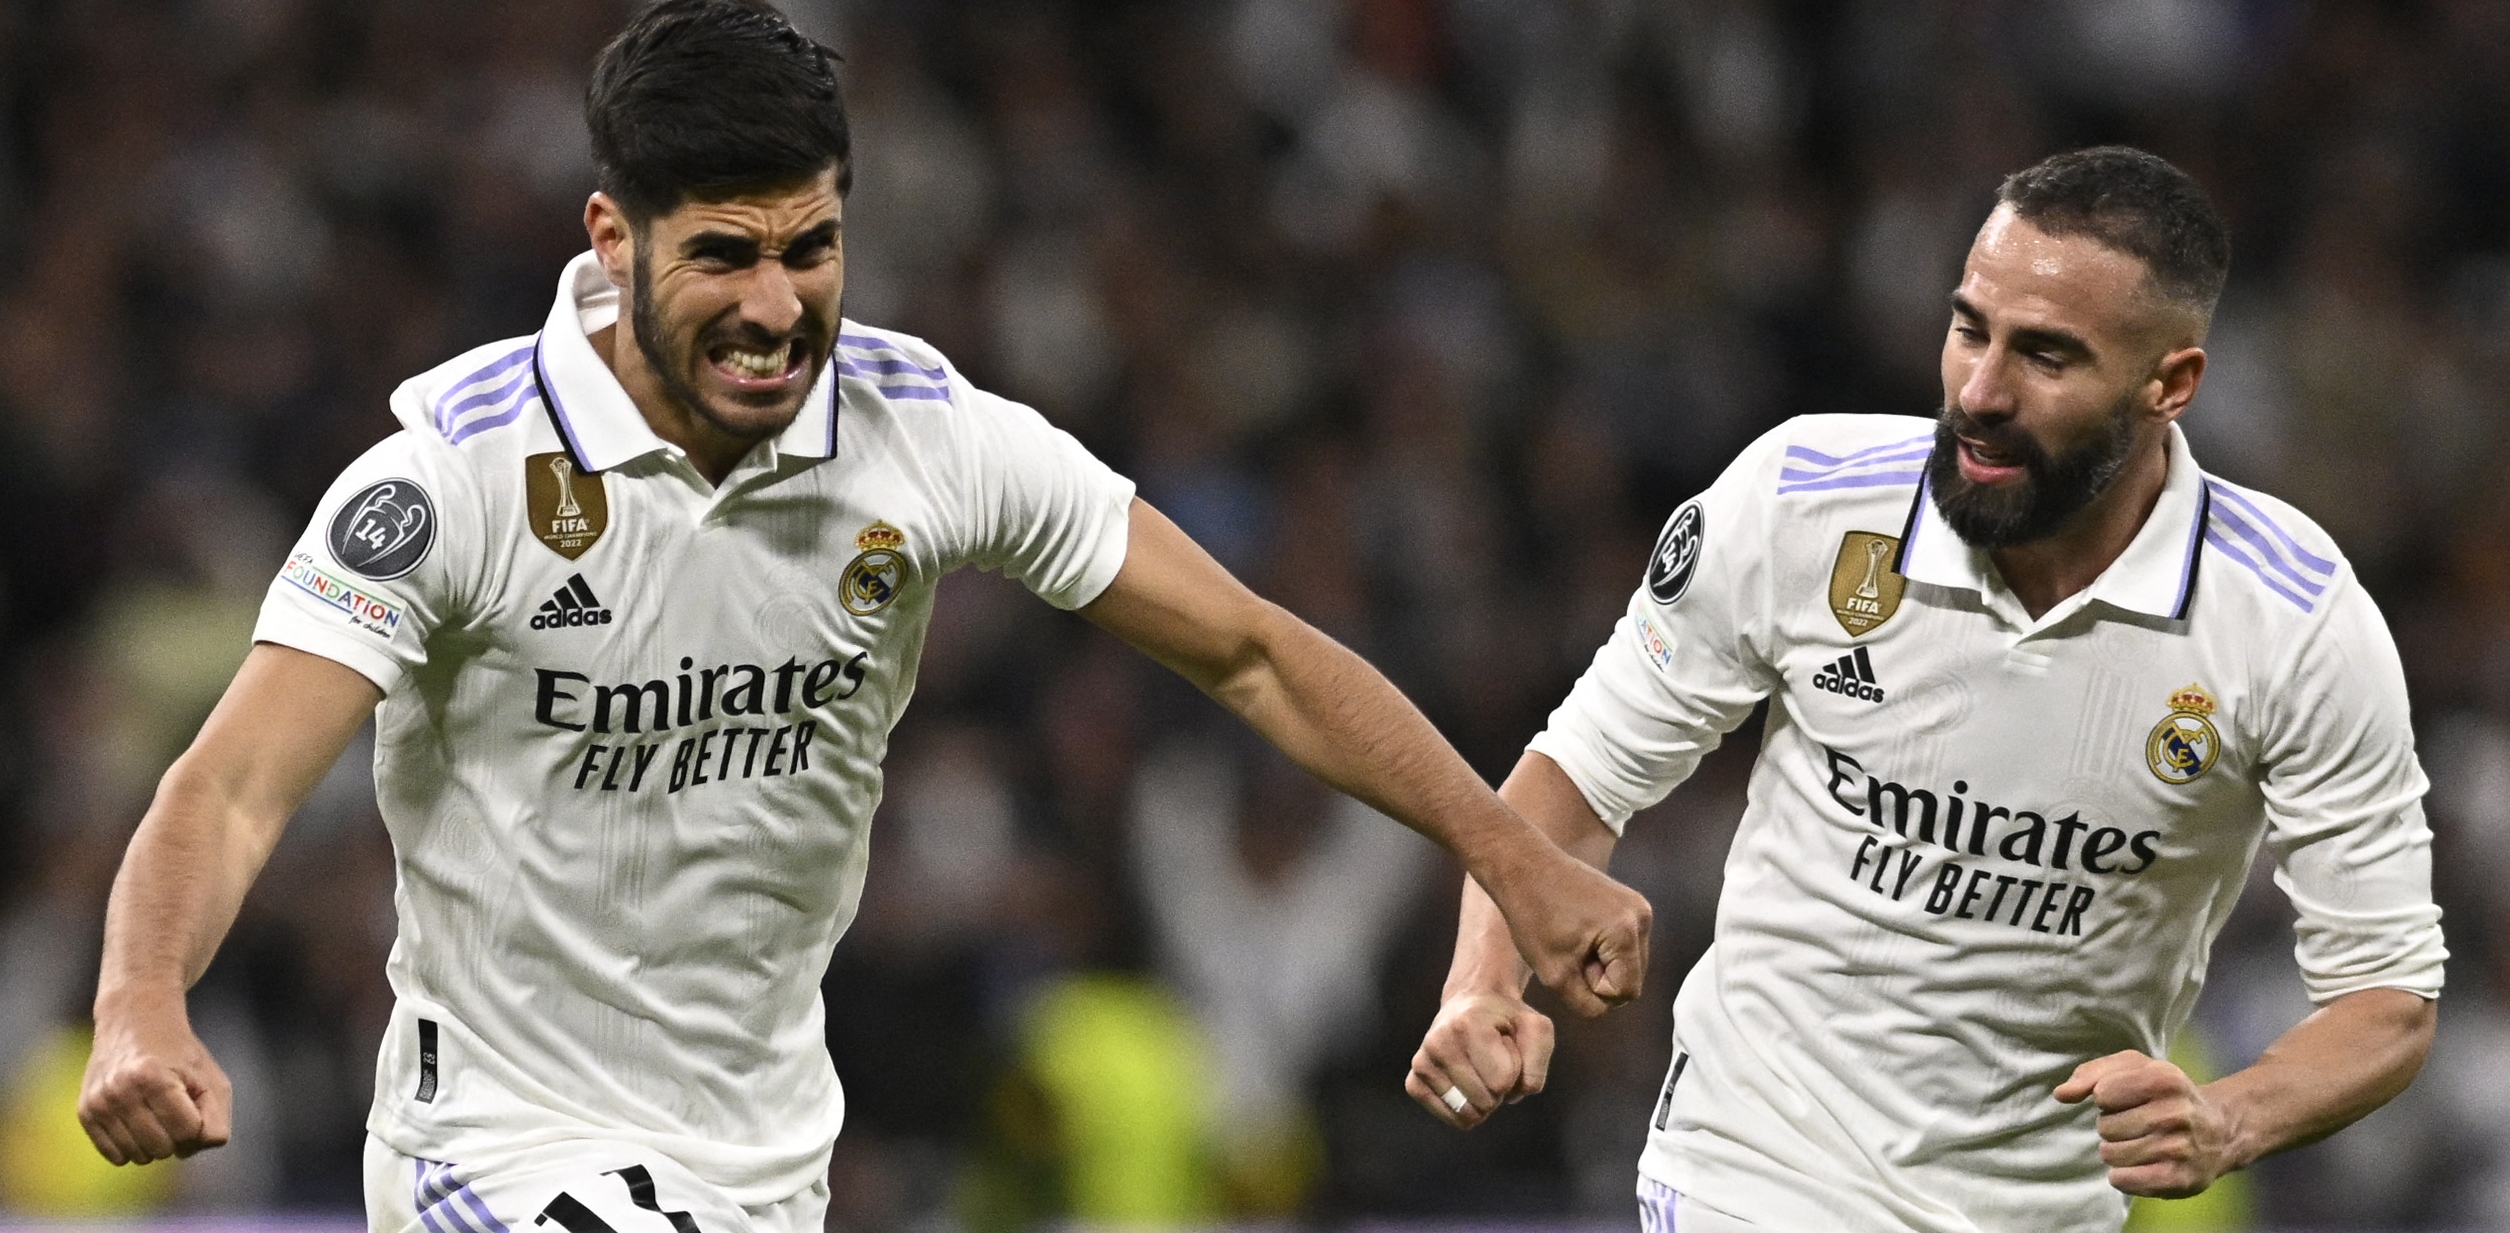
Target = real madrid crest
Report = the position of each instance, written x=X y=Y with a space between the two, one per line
x=568 y=508
x=2184 y=744
x=877 y=574
x=1864 y=589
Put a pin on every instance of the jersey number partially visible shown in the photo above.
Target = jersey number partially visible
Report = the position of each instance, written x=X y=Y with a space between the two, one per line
x=574 y=1217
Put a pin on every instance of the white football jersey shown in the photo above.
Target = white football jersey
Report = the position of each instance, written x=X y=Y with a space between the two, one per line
x=632 y=724
x=1981 y=848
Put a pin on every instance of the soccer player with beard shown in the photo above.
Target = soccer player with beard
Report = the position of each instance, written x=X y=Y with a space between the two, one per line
x=640 y=597
x=2038 y=688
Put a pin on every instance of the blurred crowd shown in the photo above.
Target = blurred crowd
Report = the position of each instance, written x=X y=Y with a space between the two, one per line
x=1420 y=314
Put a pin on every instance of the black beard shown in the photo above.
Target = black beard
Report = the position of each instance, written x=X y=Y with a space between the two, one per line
x=2053 y=490
x=647 y=321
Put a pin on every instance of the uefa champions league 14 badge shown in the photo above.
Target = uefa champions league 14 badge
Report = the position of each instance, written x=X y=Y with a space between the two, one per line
x=2184 y=744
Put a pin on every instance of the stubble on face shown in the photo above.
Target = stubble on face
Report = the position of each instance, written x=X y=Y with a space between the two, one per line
x=673 y=350
x=2054 y=488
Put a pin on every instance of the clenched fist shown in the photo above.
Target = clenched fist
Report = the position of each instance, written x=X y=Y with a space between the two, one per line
x=151 y=1089
x=2160 y=1134
x=1489 y=1048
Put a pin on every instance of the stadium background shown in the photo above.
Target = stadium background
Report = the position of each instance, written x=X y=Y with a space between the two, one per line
x=1420 y=313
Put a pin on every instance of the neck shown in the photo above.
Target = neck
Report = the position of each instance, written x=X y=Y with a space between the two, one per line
x=2046 y=572
x=710 y=449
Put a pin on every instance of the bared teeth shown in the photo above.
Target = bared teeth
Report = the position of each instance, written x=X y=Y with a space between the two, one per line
x=756 y=363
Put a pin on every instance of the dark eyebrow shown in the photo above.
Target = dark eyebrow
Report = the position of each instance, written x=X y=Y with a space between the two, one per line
x=729 y=242
x=2031 y=339
x=824 y=233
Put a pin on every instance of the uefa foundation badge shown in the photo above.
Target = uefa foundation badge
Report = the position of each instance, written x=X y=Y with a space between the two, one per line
x=2184 y=744
x=877 y=574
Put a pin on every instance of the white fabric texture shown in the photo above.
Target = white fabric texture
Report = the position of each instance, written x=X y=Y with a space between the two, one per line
x=1981 y=848
x=628 y=840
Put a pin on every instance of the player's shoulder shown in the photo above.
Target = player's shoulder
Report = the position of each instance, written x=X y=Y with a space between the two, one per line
x=482 y=404
x=2271 y=551
x=1848 y=453
x=891 y=371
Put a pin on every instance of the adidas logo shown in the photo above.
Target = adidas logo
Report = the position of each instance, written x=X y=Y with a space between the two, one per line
x=1852 y=676
x=572 y=605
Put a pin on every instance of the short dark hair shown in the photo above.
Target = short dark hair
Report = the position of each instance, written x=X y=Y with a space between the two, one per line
x=2136 y=203
x=708 y=98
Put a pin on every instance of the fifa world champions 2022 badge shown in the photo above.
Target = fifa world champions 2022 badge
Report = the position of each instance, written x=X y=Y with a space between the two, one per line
x=878 y=572
x=1676 y=559
x=1864 y=589
x=2184 y=744
x=385 y=530
x=568 y=507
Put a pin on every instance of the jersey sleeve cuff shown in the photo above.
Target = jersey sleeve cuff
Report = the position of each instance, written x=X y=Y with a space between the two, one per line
x=1571 y=759
x=339 y=646
x=1104 y=558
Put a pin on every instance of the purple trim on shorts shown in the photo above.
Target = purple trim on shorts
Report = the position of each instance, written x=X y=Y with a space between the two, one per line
x=1655 y=1206
x=441 y=1199
x=1870 y=479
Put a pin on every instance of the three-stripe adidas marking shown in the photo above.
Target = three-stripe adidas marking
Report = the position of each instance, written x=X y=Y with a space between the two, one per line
x=574 y=604
x=1852 y=676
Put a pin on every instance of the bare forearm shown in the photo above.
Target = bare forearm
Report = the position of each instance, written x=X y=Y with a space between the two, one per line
x=2350 y=1057
x=1336 y=716
x=1486 y=960
x=181 y=884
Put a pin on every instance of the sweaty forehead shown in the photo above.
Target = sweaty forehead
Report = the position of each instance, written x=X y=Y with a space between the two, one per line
x=2017 y=269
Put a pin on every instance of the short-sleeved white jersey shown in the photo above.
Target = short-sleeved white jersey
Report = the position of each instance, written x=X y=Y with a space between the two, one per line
x=632 y=724
x=1980 y=848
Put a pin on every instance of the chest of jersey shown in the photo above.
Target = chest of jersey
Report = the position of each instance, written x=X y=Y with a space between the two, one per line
x=1962 y=769
x=652 y=637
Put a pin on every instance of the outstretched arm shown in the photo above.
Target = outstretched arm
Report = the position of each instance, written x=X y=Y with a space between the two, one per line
x=1585 y=935
x=1487 y=1044
x=152 y=1090
x=2164 y=1135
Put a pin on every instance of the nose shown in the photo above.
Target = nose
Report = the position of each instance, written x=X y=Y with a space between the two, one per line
x=1986 y=391
x=770 y=300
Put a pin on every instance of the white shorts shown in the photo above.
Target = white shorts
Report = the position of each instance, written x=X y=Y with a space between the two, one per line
x=1662 y=1209
x=580 y=1186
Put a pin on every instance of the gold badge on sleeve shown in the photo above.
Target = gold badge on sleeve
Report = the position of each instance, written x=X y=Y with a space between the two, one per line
x=878 y=572
x=1864 y=590
x=2184 y=744
x=567 y=507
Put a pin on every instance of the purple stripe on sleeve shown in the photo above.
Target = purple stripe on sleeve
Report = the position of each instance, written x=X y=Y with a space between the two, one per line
x=2233 y=551
x=2303 y=555
x=2265 y=551
x=1871 y=479
x=486 y=422
x=508 y=362
x=427 y=1216
x=448 y=410
x=915 y=391
x=1816 y=456
x=1826 y=464
x=884 y=363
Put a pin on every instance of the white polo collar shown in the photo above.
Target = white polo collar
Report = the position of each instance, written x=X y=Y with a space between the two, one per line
x=2156 y=575
x=594 y=415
